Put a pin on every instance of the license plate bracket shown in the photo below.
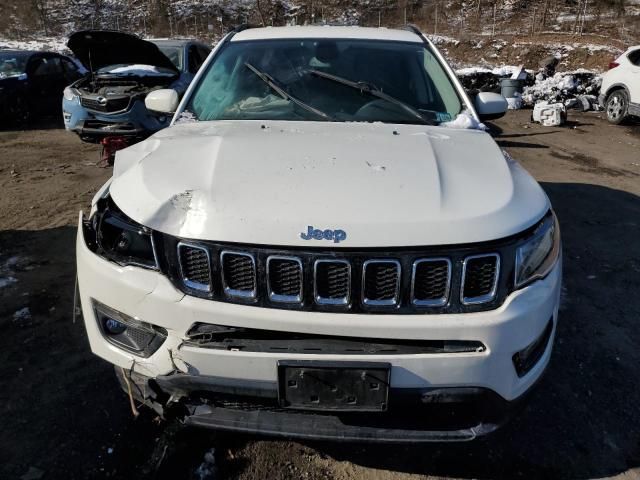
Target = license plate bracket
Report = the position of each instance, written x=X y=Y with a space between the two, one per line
x=334 y=386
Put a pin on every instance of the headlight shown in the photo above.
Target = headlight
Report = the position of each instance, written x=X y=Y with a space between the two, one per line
x=535 y=258
x=68 y=94
x=121 y=239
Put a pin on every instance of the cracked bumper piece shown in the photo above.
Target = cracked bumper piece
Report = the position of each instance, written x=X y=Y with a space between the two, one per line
x=414 y=415
x=432 y=396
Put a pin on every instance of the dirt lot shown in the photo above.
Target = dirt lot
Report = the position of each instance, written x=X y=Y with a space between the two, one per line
x=62 y=414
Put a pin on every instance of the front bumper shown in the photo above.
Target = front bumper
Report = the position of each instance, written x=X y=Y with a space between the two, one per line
x=236 y=390
x=92 y=126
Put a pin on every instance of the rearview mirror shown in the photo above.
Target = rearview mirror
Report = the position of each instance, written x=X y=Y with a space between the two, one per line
x=490 y=106
x=164 y=100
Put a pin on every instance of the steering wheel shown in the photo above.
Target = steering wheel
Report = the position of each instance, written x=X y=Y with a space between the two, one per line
x=379 y=109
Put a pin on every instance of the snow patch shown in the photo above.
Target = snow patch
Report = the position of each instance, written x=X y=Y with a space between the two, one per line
x=465 y=120
x=6 y=281
x=22 y=314
x=503 y=71
x=51 y=44
x=7 y=271
x=186 y=117
x=139 y=70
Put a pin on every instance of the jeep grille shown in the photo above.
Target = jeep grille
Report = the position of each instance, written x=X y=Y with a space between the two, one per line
x=194 y=267
x=420 y=281
x=238 y=274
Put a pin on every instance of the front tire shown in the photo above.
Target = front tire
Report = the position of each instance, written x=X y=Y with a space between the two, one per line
x=617 y=106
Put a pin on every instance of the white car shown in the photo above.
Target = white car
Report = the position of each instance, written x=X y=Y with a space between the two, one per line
x=620 y=91
x=320 y=247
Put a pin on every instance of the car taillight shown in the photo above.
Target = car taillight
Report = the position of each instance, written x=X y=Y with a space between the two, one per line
x=613 y=65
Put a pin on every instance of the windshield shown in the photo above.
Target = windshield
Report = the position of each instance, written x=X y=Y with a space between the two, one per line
x=337 y=80
x=174 y=54
x=12 y=64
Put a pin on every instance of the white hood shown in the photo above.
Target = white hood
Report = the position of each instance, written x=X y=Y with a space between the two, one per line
x=384 y=185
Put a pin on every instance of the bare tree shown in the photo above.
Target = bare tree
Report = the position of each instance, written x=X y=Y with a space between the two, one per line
x=40 y=6
x=261 y=13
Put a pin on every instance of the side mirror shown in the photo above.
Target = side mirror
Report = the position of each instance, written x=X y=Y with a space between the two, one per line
x=490 y=105
x=164 y=100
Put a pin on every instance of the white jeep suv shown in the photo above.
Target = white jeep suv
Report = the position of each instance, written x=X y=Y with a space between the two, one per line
x=320 y=247
x=620 y=90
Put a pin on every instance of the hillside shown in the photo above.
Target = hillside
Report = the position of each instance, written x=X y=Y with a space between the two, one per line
x=583 y=33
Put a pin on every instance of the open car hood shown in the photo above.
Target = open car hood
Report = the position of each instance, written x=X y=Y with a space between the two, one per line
x=100 y=48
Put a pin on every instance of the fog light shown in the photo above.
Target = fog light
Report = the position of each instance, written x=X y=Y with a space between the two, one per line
x=123 y=331
x=525 y=359
x=114 y=327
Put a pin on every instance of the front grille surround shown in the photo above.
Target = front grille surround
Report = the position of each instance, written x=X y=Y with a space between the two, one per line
x=228 y=284
x=491 y=290
x=387 y=293
x=275 y=275
x=331 y=299
x=188 y=279
x=445 y=286
x=112 y=104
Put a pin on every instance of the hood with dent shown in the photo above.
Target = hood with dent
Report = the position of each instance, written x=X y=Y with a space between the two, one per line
x=96 y=49
x=384 y=185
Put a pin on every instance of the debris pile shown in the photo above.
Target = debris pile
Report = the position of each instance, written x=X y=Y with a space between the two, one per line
x=549 y=114
x=577 y=90
x=477 y=79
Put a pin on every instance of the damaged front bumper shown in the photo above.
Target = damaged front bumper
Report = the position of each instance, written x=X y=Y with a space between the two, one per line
x=438 y=396
x=439 y=414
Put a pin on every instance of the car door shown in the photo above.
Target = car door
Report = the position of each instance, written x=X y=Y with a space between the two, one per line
x=46 y=82
x=71 y=71
x=634 y=76
x=194 y=59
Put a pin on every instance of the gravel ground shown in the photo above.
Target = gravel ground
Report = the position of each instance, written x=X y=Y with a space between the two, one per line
x=62 y=414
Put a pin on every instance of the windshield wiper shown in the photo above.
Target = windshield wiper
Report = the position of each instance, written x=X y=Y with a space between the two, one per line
x=371 y=90
x=269 y=80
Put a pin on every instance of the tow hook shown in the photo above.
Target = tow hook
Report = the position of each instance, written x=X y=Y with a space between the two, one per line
x=110 y=145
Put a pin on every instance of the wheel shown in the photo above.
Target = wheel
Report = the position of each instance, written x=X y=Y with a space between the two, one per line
x=617 y=105
x=19 y=112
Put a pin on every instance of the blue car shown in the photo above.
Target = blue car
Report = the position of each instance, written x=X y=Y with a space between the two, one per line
x=107 y=105
x=31 y=85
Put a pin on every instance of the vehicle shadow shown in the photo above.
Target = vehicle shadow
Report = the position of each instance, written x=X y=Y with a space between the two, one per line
x=510 y=144
x=584 y=421
x=42 y=123
x=61 y=407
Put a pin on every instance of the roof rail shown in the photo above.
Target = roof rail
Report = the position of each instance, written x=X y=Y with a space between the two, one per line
x=412 y=28
x=241 y=27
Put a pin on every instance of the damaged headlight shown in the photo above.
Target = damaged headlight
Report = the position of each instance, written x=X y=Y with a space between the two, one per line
x=120 y=239
x=69 y=94
x=537 y=256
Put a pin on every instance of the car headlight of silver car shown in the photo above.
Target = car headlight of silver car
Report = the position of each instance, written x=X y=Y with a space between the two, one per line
x=118 y=238
x=536 y=257
x=69 y=94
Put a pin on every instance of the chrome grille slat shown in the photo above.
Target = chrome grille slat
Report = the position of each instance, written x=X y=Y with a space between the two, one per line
x=480 y=274
x=195 y=266
x=430 y=282
x=284 y=279
x=238 y=274
x=381 y=282
x=332 y=282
